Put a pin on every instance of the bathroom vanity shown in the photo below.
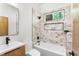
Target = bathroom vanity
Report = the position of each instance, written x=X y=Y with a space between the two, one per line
x=9 y=21
x=14 y=48
x=16 y=52
x=9 y=16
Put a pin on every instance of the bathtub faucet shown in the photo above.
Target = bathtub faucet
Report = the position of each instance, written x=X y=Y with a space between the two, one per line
x=38 y=41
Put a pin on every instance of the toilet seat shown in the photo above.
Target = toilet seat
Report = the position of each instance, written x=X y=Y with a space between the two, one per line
x=34 y=52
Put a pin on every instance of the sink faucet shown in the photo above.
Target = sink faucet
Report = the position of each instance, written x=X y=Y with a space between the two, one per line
x=7 y=40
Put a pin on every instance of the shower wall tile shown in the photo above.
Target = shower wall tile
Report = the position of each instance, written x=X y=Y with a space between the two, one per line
x=58 y=37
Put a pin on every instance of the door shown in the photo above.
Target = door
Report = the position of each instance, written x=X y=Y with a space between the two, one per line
x=76 y=30
x=3 y=25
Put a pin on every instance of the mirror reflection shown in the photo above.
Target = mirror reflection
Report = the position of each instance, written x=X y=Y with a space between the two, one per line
x=8 y=19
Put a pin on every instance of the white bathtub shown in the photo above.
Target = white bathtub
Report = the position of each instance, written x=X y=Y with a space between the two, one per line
x=49 y=49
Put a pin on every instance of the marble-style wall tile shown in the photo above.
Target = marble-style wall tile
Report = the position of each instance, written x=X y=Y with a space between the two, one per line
x=58 y=37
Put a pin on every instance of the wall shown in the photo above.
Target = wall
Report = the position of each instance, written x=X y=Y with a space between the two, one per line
x=58 y=37
x=25 y=23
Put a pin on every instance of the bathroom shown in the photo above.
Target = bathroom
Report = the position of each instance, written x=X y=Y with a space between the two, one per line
x=38 y=29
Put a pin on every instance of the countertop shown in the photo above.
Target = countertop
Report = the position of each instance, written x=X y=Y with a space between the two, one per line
x=12 y=45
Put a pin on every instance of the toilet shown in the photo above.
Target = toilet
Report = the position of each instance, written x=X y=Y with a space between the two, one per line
x=33 y=52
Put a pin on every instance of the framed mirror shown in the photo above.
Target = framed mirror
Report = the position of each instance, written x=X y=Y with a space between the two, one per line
x=9 y=24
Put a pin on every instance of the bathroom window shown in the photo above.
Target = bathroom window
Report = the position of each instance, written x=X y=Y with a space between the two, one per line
x=49 y=17
x=58 y=15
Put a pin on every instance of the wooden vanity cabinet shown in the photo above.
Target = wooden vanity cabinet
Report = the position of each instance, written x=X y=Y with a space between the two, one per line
x=17 y=52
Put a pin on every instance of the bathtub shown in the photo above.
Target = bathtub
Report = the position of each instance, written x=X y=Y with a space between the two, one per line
x=49 y=49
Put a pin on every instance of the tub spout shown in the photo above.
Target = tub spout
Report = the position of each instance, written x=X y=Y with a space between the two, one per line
x=38 y=42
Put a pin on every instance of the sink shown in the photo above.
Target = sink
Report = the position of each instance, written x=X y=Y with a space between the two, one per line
x=11 y=46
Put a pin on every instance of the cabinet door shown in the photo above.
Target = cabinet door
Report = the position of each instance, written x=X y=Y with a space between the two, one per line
x=3 y=25
x=17 y=52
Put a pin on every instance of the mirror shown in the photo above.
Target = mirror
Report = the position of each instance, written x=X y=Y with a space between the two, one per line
x=8 y=20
